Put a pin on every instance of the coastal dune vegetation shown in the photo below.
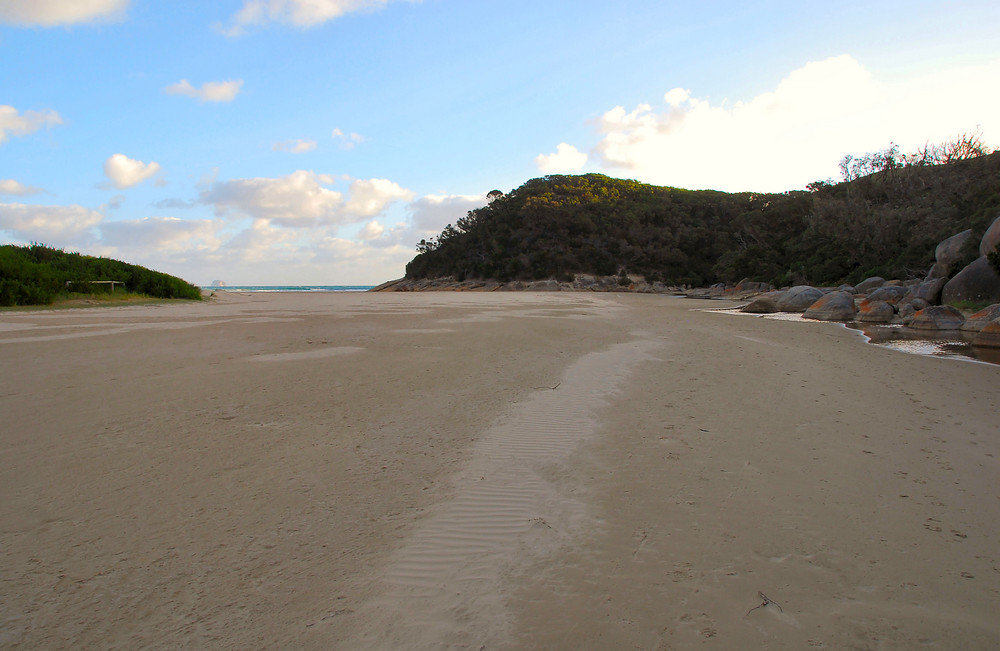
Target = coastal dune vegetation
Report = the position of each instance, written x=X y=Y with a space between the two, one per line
x=883 y=218
x=39 y=275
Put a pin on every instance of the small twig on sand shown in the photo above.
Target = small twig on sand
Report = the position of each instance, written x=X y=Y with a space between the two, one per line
x=767 y=602
x=549 y=388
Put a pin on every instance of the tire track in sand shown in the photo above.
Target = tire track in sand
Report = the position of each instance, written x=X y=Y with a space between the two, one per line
x=445 y=586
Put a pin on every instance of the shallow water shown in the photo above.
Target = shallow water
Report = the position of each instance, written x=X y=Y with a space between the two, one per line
x=955 y=344
x=942 y=343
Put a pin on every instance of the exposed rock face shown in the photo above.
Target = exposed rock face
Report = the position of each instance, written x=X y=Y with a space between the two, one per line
x=765 y=304
x=949 y=251
x=835 y=306
x=437 y=284
x=988 y=337
x=868 y=284
x=991 y=238
x=581 y=282
x=545 y=286
x=929 y=290
x=747 y=286
x=978 y=282
x=875 y=312
x=891 y=294
x=847 y=288
x=799 y=298
x=982 y=318
x=938 y=317
x=938 y=270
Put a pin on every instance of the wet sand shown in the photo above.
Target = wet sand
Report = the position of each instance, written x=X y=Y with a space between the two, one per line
x=505 y=471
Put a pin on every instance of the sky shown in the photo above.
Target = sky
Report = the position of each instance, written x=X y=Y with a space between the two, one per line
x=317 y=141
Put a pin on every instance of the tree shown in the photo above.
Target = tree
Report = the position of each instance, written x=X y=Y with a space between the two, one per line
x=425 y=246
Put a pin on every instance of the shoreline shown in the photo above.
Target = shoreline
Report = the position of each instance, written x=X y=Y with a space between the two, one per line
x=255 y=470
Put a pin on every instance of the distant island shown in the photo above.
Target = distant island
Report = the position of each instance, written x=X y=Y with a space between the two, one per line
x=884 y=218
x=39 y=275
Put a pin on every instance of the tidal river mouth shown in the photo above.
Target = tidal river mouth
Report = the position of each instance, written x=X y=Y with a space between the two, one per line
x=955 y=344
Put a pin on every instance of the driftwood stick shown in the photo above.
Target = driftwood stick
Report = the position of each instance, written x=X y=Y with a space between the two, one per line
x=767 y=601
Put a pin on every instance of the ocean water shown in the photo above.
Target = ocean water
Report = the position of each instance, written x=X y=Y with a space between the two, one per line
x=290 y=288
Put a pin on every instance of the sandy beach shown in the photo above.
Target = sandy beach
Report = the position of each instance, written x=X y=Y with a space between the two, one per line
x=488 y=471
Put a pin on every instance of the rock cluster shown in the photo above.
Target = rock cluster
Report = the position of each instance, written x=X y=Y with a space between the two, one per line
x=580 y=282
x=923 y=305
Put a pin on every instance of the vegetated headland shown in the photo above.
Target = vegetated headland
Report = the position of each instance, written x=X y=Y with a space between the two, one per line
x=41 y=275
x=883 y=218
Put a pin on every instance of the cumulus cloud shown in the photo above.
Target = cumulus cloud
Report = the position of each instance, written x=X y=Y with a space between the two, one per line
x=432 y=212
x=16 y=188
x=124 y=172
x=263 y=242
x=370 y=197
x=303 y=199
x=294 y=146
x=63 y=224
x=21 y=124
x=796 y=133
x=163 y=235
x=774 y=141
x=371 y=231
x=298 y=13
x=347 y=140
x=299 y=199
x=210 y=91
x=49 y=13
x=566 y=158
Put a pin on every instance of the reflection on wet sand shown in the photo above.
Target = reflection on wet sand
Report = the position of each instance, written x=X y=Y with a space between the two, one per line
x=942 y=343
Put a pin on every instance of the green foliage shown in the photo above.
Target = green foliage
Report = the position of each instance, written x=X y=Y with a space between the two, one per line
x=561 y=225
x=970 y=307
x=887 y=221
x=994 y=258
x=38 y=275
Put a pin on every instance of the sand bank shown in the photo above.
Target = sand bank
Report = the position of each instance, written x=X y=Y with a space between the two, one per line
x=470 y=470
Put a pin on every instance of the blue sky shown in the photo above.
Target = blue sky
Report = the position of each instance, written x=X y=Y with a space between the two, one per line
x=316 y=141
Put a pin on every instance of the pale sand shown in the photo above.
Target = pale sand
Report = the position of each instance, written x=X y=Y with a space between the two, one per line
x=500 y=471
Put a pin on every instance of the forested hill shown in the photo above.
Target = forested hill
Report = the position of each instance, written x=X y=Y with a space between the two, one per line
x=884 y=219
x=37 y=275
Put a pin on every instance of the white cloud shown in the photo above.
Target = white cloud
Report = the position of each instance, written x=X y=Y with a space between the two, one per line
x=795 y=134
x=210 y=91
x=302 y=199
x=299 y=13
x=431 y=213
x=347 y=140
x=49 y=13
x=372 y=231
x=294 y=146
x=370 y=197
x=566 y=158
x=264 y=243
x=57 y=225
x=677 y=96
x=21 y=124
x=16 y=188
x=124 y=172
x=296 y=200
x=163 y=235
